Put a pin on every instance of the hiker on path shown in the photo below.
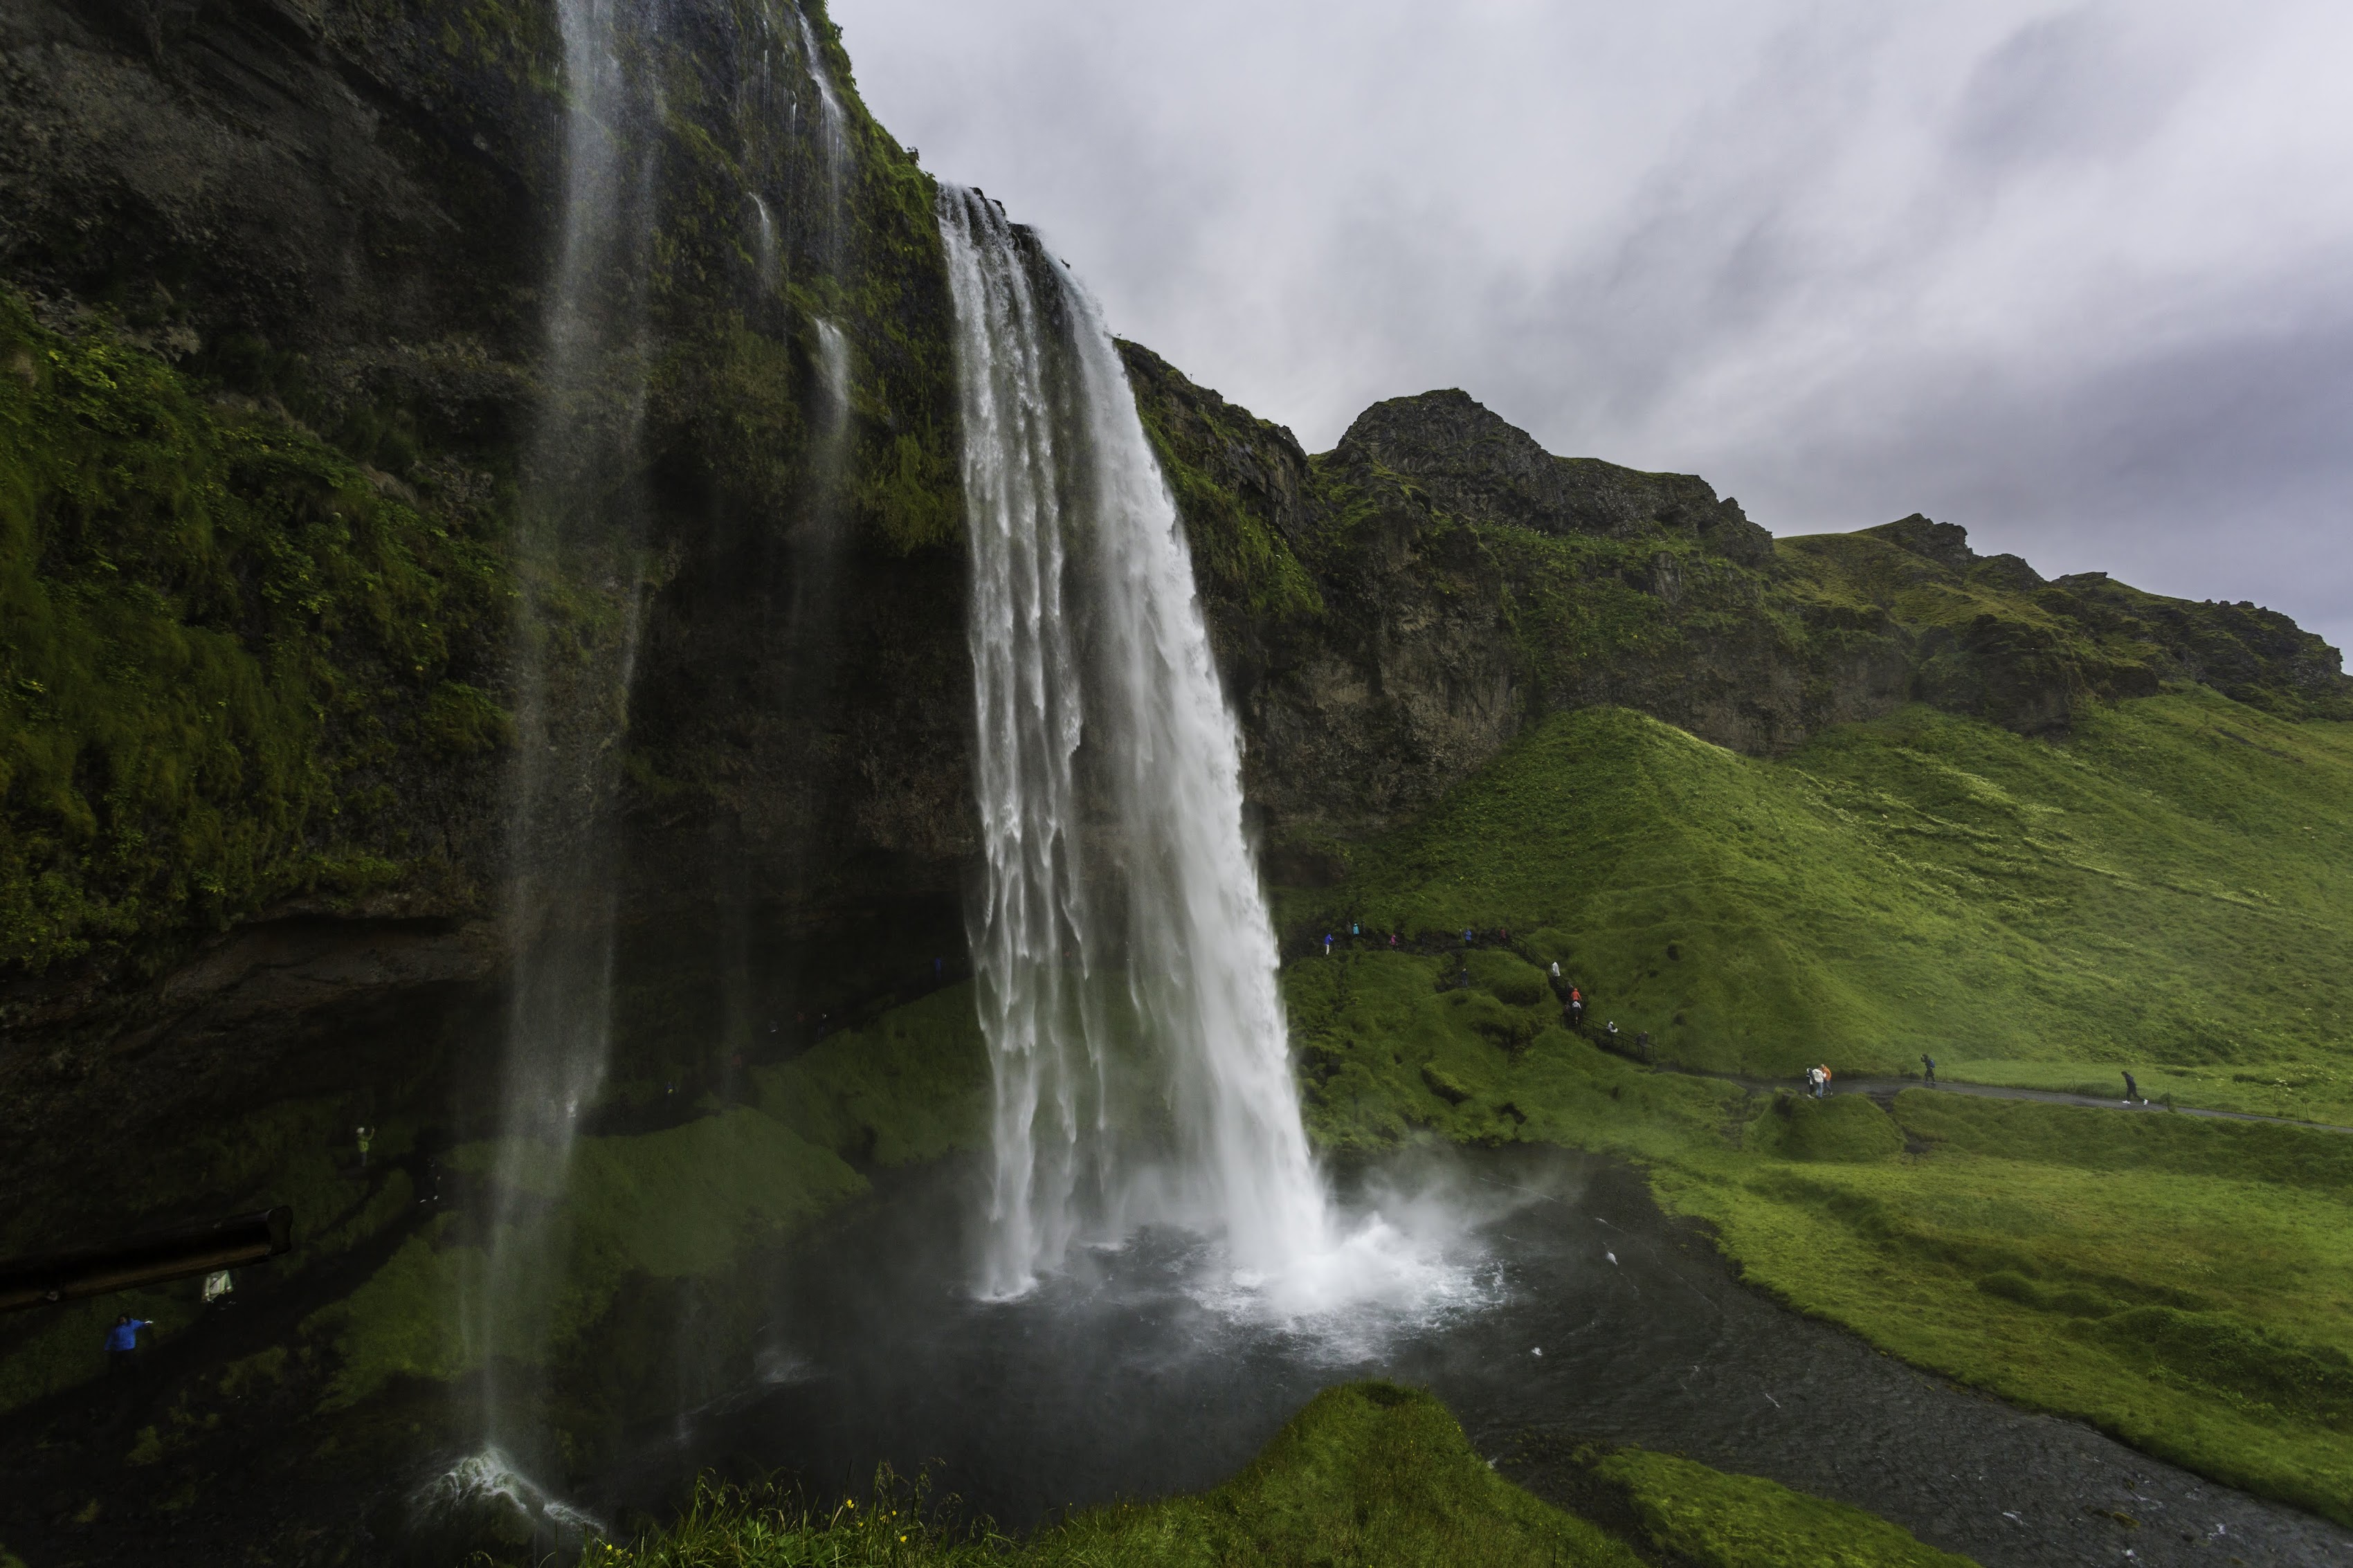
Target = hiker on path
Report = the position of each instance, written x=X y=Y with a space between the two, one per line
x=2132 y=1090
x=1612 y=1033
x=1392 y=941
x=1928 y=1066
x=123 y=1345
x=365 y=1136
x=1576 y=1008
x=1825 y=1070
x=1328 y=944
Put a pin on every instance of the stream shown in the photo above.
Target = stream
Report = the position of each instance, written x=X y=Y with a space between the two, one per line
x=1132 y=1375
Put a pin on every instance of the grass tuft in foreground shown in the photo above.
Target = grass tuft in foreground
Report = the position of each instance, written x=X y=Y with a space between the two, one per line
x=1365 y=1476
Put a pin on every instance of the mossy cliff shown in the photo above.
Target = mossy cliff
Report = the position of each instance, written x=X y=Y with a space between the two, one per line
x=1393 y=611
x=273 y=287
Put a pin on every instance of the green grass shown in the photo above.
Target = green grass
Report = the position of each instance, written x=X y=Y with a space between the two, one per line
x=1846 y=1131
x=691 y=1202
x=1365 y=1476
x=2167 y=891
x=1719 y=1521
x=912 y=1086
x=2172 y=888
x=2179 y=1282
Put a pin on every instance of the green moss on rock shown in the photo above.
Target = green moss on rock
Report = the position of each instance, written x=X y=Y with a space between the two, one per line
x=217 y=637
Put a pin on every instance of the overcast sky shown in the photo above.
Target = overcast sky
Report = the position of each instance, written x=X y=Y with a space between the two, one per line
x=2075 y=276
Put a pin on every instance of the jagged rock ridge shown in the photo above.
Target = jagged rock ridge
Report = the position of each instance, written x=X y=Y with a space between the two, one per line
x=1394 y=610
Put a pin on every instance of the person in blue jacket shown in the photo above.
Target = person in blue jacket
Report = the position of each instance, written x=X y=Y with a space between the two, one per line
x=122 y=1343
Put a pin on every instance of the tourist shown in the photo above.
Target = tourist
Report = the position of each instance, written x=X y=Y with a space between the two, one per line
x=2132 y=1090
x=1466 y=936
x=1328 y=944
x=123 y=1344
x=365 y=1136
x=1928 y=1066
x=1393 y=936
x=1612 y=1032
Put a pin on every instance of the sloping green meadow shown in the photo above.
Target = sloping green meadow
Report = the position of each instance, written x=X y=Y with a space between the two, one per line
x=2170 y=889
x=2180 y=1283
x=2167 y=890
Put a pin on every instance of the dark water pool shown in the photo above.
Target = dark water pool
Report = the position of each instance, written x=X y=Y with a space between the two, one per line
x=1119 y=1379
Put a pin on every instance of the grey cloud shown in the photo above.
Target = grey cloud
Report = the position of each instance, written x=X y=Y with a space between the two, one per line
x=2068 y=274
x=2061 y=86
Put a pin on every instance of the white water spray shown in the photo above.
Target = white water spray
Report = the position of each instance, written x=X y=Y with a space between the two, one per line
x=1126 y=963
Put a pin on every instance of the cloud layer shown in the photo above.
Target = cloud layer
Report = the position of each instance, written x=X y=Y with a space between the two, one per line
x=2073 y=276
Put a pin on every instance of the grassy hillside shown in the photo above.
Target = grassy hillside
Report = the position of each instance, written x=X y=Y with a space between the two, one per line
x=1366 y=1475
x=2168 y=890
x=2171 y=889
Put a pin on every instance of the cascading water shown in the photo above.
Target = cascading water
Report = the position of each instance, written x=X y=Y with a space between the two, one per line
x=833 y=137
x=1126 y=963
x=581 y=526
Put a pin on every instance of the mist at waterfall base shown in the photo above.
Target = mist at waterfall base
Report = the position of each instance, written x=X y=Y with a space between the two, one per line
x=1126 y=966
x=1132 y=1369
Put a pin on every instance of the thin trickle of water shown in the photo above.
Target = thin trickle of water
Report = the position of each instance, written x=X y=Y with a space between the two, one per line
x=833 y=125
x=769 y=276
x=581 y=524
x=1126 y=963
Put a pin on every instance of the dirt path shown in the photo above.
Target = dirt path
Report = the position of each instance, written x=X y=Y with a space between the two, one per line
x=1888 y=1088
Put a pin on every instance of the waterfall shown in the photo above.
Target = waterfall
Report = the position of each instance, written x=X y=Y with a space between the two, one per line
x=1126 y=960
x=580 y=525
x=833 y=126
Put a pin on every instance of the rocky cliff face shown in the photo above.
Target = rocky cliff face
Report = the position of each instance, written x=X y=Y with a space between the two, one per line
x=1394 y=611
x=273 y=283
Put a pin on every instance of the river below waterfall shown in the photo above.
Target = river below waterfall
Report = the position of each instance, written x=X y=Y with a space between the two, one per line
x=1125 y=1377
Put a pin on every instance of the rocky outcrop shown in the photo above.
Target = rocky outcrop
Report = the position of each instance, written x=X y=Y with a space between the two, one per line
x=1478 y=468
x=1421 y=592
